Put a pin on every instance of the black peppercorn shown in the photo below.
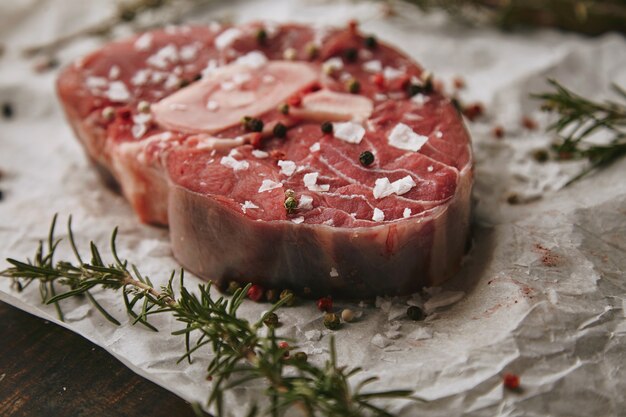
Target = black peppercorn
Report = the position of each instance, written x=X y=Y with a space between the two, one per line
x=280 y=130
x=252 y=124
x=366 y=158
x=7 y=110
x=327 y=128
x=354 y=86
x=332 y=321
x=351 y=54
x=415 y=313
x=371 y=42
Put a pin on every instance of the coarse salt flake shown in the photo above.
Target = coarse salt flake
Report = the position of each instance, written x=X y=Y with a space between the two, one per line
x=254 y=59
x=118 y=92
x=257 y=153
x=143 y=42
x=212 y=105
x=298 y=220
x=406 y=213
x=403 y=185
x=403 y=137
x=349 y=132
x=310 y=182
x=331 y=65
x=287 y=167
x=248 y=205
x=305 y=202
x=373 y=66
x=333 y=272
x=140 y=77
x=379 y=215
x=382 y=188
x=226 y=38
x=269 y=185
x=96 y=82
x=164 y=56
x=189 y=52
x=391 y=73
x=114 y=72
x=315 y=147
x=236 y=165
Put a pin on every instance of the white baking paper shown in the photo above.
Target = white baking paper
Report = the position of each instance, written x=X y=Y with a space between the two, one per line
x=542 y=293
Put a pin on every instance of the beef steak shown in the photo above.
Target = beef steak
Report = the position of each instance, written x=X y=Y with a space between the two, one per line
x=294 y=157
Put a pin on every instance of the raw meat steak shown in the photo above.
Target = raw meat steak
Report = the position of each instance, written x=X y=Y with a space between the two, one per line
x=295 y=157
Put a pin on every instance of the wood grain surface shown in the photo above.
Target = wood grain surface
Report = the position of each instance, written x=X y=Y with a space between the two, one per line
x=46 y=370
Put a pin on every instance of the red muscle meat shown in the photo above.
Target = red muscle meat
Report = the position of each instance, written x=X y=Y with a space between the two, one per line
x=248 y=142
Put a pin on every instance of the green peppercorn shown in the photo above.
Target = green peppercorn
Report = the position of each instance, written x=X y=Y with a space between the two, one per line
x=289 y=296
x=311 y=50
x=252 y=124
x=284 y=108
x=280 y=130
x=271 y=295
x=327 y=128
x=366 y=158
x=353 y=86
x=232 y=287
x=291 y=204
x=300 y=357
x=271 y=320
x=332 y=321
x=414 y=89
x=261 y=36
x=371 y=42
x=351 y=54
x=415 y=313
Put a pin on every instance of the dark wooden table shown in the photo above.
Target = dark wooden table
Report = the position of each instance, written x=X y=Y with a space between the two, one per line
x=46 y=370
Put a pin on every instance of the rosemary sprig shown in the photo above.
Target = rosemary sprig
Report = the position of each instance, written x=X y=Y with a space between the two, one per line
x=588 y=17
x=243 y=351
x=579 y=118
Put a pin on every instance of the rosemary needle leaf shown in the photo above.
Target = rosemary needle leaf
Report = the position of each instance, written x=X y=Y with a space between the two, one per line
x=239 y=347
x=579 y=118
x=101 y=309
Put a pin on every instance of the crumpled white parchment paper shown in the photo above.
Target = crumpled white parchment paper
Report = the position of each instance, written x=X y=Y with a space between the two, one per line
x=542 y=294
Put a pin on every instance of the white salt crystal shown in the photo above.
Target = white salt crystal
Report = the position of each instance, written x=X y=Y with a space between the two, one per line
x=269 y=185
x=379 y=215
x=236 y=165
x=287 y=167
x=349 y=132
x=248 y=205
x=382 y=188
x=403 y=137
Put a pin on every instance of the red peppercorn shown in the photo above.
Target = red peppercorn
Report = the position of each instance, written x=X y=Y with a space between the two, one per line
x=473 y=111
x=256 y=139
x=378 y=79
x=511 y=381
x=255 y=292
x=295 y=100
x=529 y=123
x=285 y=346
x=498 y=131
x=325 y=304
x=458 y=82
